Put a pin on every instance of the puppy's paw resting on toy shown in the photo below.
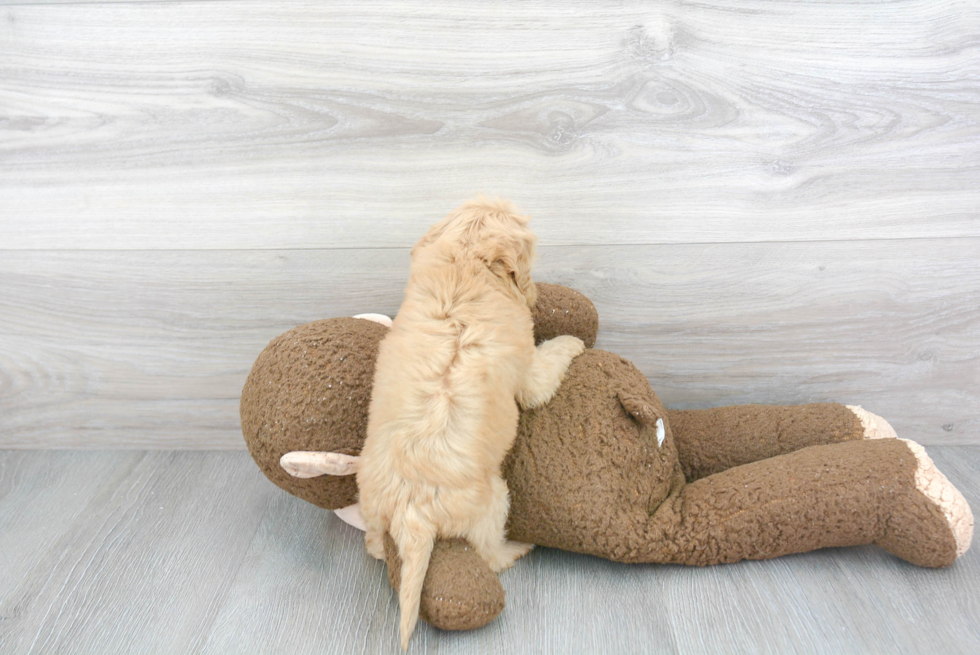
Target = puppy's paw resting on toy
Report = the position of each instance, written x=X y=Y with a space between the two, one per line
x=551 y=361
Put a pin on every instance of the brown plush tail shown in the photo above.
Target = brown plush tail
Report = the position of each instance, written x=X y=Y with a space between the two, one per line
x=414 y=537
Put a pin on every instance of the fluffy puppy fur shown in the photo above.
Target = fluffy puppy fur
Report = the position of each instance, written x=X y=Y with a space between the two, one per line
x=443 y=413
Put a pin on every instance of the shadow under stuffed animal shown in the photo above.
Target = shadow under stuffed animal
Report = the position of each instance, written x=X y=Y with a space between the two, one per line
x=605 y=469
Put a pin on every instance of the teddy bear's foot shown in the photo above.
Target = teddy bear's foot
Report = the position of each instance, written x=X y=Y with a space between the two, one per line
x=874 y=426
x=933 y=484
x=934 y=524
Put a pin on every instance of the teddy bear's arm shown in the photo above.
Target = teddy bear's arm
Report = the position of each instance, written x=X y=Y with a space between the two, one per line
x=561 y=310
x=460 y=591
x=713 y=440
x=885 y=492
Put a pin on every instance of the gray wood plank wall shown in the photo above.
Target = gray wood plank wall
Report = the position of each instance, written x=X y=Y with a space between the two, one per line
x=772 y=202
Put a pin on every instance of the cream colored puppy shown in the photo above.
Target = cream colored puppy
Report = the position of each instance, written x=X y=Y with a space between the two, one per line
x=443 y=413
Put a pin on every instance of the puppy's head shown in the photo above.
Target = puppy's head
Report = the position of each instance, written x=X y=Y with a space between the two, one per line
x=493 y=232
x=510 y=254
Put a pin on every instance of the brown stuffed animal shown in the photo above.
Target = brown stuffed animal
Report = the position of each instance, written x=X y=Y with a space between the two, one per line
x=605 y=469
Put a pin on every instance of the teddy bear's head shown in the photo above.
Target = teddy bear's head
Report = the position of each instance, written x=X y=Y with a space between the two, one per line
x=309 y=390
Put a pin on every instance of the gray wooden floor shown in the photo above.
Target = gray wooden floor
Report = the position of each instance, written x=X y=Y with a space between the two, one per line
x=195 y=552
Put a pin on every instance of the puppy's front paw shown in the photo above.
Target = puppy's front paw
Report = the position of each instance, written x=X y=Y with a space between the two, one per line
x=551 y=362
x=571 y=346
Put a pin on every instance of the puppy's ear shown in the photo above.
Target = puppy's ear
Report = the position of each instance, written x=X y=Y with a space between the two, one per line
x=435 y=232
x=510 y=258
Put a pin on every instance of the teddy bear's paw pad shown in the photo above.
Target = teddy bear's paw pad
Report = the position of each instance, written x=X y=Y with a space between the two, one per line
x=874 y=426
x=933 y=485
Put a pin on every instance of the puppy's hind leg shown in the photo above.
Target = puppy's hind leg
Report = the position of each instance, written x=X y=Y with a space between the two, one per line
x=487 y=534
x=551 y=361
x=374 y=542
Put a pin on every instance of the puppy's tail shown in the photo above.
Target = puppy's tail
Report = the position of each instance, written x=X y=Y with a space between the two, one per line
x=414 y=536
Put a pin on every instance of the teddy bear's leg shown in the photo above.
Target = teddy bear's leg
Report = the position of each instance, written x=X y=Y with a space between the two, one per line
x=712 y=440
x=885 y=492
x=460 y=591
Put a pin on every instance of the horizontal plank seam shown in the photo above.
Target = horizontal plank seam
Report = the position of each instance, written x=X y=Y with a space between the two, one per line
x=540 y=246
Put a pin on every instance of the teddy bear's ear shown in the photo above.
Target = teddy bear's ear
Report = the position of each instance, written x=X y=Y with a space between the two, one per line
x=638 y=407
x=642 y=411
x=311 y=464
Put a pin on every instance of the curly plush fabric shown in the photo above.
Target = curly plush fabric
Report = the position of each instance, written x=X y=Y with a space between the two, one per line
x=459 y=593
x=586 y=475
x=586 y=466
x=561 y=310
x=309 y=390
x=714 y=440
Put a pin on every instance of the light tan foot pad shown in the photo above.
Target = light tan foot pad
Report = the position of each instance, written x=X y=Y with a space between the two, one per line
x=874 y=426
x=934 y=486
x=311 y=463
